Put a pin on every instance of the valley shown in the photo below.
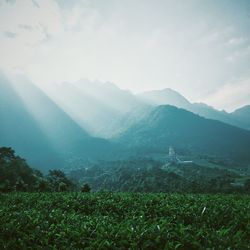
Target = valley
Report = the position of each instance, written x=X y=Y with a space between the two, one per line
x=69 y=125
x=124 y=125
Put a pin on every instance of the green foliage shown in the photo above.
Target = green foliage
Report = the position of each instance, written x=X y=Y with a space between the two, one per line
x=86 y=188
x=247 y=185
x=105 y=220
x=17 y=175
x=43 y=185
x=58 y=181
x=62 y=187
x=150 y=176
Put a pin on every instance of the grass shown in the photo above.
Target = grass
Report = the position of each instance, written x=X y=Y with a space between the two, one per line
x=124 y=221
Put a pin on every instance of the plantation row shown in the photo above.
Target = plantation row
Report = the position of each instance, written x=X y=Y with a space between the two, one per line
x=105 y=220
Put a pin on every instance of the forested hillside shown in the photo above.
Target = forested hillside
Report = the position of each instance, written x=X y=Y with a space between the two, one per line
x=166 y=126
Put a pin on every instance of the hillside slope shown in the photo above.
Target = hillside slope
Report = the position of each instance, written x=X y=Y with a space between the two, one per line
x=166 y=126
x=242 y=114
x=171 y=97
x=39 y=130
x=97 y=107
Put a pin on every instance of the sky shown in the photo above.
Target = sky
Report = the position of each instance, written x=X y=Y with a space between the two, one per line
x=200 y=48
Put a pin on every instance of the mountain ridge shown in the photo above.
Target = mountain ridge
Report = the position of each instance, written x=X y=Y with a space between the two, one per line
x=166 y=126
x=165 y=97
x=31 y=120
x=46 y=130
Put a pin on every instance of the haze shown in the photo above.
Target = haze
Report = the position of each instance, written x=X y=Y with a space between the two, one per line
x=199 y=48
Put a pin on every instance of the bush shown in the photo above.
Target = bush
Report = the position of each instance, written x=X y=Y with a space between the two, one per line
x=86 y=188
x=123 y=221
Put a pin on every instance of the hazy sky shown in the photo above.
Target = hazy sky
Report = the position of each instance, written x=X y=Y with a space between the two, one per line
x=200 y=48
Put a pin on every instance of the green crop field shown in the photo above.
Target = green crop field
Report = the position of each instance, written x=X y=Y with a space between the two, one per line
x=106 y=220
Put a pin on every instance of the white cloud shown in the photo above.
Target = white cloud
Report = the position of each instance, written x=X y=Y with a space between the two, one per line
x=231 y=96
x=139 y=45
x=9 y=34
x=239 y=54
x=30 y=22
x=30 y=26
x=237 y=41
x=80 y=17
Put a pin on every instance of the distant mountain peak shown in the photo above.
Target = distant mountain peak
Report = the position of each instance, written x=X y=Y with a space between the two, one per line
x=243 y=114
x=170 y=90
x=165 y=96
x=245 y=108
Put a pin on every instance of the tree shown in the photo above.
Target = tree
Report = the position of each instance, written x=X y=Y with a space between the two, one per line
x=7 y=154
x=58 y=181
x=86 y=188
x=20 y=185
x=15 y=173
x=247 y=185
x=62 y=187
x=5 y=186
x=43 y=185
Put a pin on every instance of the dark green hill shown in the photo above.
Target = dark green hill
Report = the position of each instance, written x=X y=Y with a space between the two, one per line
x=239 y=118
x=166 y=126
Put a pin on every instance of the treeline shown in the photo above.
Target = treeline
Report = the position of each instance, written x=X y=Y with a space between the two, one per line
x=118 y=176
x=17 y=175
x=150 y=176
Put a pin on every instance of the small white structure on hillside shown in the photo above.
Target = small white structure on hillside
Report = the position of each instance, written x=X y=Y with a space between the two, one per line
x=172 y=155
x=173 y=158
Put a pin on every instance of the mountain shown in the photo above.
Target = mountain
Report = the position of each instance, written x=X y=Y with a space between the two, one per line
x=57 y=127
x=104 y=110
x=19 y=129
x=242 y=114
x=163 y=97
x=97 y=107
x=171 y=97
x=40 y=131
x=166 y=125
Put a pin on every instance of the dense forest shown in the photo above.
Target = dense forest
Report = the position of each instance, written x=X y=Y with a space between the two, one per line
x=124 y=176
x=152 y=176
